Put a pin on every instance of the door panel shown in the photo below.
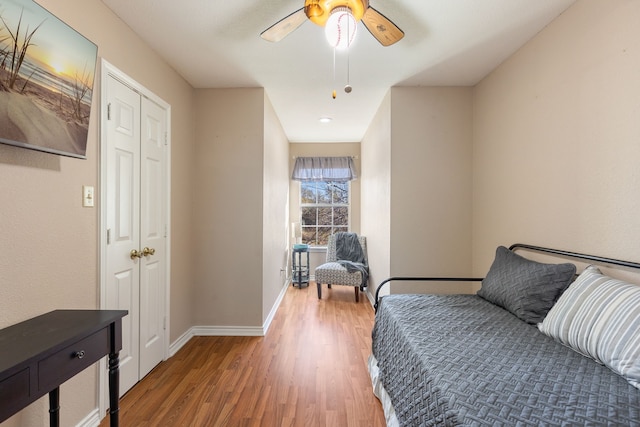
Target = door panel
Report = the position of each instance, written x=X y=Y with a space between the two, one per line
x=125 y=231
x=151 y=330
x=124 y=289
x=152 y=230
x=123 y=213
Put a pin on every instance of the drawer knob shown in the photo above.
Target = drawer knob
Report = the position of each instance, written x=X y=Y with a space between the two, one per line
x=79 y=354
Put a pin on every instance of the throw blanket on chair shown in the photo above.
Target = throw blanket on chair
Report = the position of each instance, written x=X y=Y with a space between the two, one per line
x=349 y=254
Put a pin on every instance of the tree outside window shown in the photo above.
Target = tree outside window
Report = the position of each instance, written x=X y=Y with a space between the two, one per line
x=324 y=210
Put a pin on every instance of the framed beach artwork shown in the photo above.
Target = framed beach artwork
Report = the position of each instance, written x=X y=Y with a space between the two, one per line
x=47 y=73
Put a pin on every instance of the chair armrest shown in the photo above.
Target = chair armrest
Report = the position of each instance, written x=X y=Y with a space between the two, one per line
x=422 y=279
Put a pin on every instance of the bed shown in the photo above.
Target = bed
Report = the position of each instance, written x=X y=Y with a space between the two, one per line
x=512 y=357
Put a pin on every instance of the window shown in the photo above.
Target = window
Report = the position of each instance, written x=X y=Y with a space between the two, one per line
x=324 y=196
x=324 y=207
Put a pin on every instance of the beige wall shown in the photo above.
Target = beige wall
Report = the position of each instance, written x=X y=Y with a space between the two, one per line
x=376 y=193
x=544 y=150
x=275 y=208
x=49 y=248
x=317 y=257
x=557 y=138
x=241 y=208
x=431 y=148
x=228 y=216
x=417 y=197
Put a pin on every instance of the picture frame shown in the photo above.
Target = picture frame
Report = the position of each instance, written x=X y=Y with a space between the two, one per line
x=47 y=73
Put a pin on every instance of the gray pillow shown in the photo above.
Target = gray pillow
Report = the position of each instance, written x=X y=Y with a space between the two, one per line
x=526 y=288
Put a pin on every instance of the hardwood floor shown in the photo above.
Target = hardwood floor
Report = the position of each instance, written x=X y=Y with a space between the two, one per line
x=309 y=370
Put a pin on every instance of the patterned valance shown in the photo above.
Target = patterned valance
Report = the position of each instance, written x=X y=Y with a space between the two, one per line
x=339 y=169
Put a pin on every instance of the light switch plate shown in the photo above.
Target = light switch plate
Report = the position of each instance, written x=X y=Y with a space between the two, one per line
x=87 y=196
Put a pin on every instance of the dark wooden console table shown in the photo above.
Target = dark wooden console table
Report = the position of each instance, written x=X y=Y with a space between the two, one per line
x=38 y=355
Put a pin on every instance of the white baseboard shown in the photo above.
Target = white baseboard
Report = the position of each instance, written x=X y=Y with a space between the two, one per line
x=175 y=346
x=228 y=331
x=91 y=420
x=372 y=298
x=275 y=307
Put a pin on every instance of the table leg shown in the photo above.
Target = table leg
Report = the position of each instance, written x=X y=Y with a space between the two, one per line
x=299 y=270
x=293 y=268
x=54 y=407
x=114 y=389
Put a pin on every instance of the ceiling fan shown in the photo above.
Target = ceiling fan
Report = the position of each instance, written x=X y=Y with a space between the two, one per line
x=319 y=11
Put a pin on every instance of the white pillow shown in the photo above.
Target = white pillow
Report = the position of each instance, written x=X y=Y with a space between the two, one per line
x=600 y=317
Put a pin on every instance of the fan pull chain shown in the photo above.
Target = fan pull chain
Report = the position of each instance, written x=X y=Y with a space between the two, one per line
x=348 y=87
x=333 y=94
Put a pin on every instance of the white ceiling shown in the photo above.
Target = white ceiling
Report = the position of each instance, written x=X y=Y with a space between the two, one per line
x=216 y=44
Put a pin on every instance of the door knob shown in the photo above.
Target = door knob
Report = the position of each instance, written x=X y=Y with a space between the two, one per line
x=148 y=251
x=135 y=254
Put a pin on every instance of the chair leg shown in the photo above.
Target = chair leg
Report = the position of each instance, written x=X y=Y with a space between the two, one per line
x=319 y=290
x=357 y=289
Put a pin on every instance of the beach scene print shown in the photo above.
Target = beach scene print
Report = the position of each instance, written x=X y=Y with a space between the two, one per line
x=47 y=72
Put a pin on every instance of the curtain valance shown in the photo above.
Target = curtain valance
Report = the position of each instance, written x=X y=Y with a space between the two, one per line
x=340 y=169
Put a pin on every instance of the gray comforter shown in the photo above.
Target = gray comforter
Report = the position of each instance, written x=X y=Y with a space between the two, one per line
x=451 y=360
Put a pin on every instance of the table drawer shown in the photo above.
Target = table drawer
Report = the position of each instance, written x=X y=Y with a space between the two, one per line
x=13 y=391
x=61 y=366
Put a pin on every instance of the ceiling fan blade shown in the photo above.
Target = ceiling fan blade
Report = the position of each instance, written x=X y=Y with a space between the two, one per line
x=283 y=27
x=385 y=31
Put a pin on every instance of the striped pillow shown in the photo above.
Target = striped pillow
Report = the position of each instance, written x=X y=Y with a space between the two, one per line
x=600 y=317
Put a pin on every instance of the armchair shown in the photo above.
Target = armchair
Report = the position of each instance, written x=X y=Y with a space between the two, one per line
x=343 y=272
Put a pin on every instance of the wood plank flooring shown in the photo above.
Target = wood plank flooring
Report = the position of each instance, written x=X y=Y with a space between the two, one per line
x=309 y=370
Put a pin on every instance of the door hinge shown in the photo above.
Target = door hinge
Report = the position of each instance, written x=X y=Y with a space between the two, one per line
x=109 y=111
x=165 y=230
x=108 y=236
x=166 y=138
x=164 y=323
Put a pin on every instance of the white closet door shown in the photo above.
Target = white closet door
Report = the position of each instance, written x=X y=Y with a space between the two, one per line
x=136 y=221
x=152 y=235
x=123 y=221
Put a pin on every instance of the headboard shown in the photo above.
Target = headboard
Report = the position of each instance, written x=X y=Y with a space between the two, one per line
x=558 y=252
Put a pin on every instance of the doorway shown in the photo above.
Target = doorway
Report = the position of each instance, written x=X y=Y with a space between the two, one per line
x=135 y=234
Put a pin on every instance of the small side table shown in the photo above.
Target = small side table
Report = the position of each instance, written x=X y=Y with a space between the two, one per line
x=40 y=354
x=299 y=270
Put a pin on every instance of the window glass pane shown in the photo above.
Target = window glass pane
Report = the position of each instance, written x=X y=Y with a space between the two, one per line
x=308 y=192
x=309 y=216
x=341 y=216
x=324 y=210
x=309 y=235
x=338 y=229
x=324 y=216
x=323 y=235
x=324 y=193
x=340 y=192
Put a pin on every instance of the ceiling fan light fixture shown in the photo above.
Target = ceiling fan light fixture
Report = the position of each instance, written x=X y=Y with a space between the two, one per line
x=341 y=27
x=318 y=11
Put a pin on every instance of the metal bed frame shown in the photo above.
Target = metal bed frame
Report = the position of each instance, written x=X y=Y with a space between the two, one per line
x=559 y=252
